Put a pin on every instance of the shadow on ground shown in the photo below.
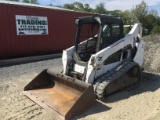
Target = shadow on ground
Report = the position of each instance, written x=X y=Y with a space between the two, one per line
x=150 y=83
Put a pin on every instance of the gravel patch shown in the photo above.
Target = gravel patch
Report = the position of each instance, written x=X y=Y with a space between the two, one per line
x=13 y=103
x=152 y=53
x=139 y=103
x=10 y=72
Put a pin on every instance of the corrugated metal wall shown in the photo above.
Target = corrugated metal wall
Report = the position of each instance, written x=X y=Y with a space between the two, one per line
x=61 y=29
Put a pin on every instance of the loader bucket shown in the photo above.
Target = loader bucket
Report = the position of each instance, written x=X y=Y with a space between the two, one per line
x=62 y=95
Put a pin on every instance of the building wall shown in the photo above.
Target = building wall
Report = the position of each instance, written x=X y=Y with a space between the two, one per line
x=61 y=29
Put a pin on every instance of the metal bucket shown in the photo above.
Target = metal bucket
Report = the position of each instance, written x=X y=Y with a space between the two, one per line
x=62 y=95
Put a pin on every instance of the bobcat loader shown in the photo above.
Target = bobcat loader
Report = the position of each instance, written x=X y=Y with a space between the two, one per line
x=102 y=61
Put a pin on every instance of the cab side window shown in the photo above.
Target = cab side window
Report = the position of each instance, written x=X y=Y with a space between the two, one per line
x=110 y=34
x=115 y=30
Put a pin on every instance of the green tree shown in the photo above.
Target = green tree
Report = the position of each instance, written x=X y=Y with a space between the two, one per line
x=126 y=17
x=68 y=6
x=115 y=13
x=149 y=22
x=149 y=19
x=30 y=1
x=78 y=6
x=153 y=12
x=50 y=4
x=87 y=8
x=156 y=30
x=34 y=1
x=26 y=1
x=100 y=8
x=140 y=11
x=13 y=0
x=158 y=21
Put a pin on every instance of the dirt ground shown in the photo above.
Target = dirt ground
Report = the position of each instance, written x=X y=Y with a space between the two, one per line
x=135 y=103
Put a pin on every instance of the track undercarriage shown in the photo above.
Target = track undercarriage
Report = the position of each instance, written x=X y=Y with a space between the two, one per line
x=124 y=75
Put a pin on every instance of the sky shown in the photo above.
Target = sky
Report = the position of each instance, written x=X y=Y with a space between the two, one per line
x=109 y=4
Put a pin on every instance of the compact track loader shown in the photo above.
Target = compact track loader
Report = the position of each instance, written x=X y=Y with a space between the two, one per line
x=102 y=61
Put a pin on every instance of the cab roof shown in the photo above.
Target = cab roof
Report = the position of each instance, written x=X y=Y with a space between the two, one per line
x=102 y=19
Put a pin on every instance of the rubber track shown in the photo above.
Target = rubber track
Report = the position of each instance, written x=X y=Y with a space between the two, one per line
x=105 y=79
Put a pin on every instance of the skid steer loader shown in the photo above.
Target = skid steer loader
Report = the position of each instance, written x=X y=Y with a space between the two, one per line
x=102 y=61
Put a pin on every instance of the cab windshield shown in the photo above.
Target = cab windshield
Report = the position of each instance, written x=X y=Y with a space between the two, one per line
x=87 y=40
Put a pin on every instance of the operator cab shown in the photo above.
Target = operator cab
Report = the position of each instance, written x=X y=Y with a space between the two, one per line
x=95 y=33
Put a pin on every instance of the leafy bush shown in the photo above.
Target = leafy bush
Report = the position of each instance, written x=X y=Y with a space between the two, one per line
x=156 y=29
